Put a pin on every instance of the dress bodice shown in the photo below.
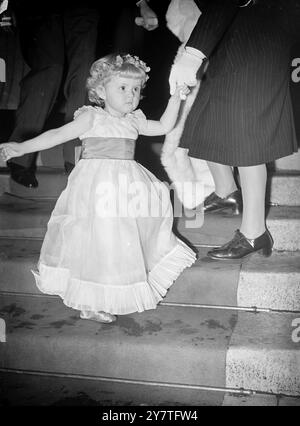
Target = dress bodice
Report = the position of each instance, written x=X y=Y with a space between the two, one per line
x=105 y=125
x=110 y=137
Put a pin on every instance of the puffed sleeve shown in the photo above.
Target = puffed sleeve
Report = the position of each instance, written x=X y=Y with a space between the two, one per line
x=140 y=120
x=82 y=109
x=93 y=117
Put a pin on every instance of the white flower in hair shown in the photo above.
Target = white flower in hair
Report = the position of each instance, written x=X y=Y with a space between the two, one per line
x=134 y=60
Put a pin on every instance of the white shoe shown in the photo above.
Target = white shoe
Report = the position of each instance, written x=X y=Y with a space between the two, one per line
x=98 y=316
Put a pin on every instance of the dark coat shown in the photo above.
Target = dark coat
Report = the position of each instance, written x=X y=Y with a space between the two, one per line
x=35 y=8
x=242 y=115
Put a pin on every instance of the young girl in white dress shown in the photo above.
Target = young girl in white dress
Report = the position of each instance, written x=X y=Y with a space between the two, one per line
x=109 y=248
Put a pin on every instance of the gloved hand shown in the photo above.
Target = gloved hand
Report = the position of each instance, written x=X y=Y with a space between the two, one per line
x=184 y=69
x=148 y=18
x=3 y=6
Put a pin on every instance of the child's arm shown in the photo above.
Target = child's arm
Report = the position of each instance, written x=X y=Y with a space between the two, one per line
x=169 y=117
x=73 y=130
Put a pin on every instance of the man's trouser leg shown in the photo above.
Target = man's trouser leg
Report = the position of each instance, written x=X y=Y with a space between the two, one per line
x=43 y=50
x=80 y=26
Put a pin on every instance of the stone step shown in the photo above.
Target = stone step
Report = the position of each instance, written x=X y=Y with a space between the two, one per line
x=20 y=217
x=52 y=181
x=264 y=354
x=63 y=390
x=272 y=283
x=283 y=223
x=204 y=283
x=283 y=185
x=161 y=345
x=291 y=162
x=284 y=188
x=17 y=259
x=4 y=182
x=231 y=400
x=186 y=346
x=28 y=219
x=266 y=283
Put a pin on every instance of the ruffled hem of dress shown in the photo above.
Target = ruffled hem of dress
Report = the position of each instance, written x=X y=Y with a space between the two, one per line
x=116 y=299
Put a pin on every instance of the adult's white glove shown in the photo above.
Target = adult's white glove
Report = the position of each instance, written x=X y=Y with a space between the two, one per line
x=185 y=68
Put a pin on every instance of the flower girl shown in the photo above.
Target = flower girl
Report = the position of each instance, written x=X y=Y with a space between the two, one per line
x=109 y=248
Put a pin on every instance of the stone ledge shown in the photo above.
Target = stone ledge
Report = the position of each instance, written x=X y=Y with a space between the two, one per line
x=174 y=345
x=272 y=283
x=262 y=355
x=284 y=188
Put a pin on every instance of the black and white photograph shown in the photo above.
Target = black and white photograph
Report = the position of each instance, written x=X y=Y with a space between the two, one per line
x=149 y=207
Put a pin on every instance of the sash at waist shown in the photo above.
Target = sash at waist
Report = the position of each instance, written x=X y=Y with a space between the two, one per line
x=107 y=148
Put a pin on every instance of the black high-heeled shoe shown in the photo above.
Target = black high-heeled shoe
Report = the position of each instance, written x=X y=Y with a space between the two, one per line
x=233 y=201
x=240 y=247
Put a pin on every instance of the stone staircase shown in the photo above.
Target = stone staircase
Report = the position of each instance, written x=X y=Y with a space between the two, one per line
x=226 y=334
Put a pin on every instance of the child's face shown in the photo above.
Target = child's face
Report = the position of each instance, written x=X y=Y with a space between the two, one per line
x=121 y=94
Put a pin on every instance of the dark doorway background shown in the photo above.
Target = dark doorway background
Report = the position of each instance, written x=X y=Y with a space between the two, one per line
x=117 y=32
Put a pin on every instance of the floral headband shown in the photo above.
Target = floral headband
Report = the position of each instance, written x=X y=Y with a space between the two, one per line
x=103 y=68
x=134 y=60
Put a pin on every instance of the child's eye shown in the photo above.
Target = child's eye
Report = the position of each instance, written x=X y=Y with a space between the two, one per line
x=123 y=88
x=137 y=89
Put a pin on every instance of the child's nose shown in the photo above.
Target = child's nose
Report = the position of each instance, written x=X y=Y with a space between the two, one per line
x=130 y=95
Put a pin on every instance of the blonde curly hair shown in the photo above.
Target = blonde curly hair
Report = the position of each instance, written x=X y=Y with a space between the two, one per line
x=114 y=64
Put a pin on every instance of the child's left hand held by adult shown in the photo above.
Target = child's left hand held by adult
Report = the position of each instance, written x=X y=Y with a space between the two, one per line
x=181 y=92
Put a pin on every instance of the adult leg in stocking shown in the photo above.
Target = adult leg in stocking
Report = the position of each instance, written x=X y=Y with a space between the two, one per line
x=226 y=194
x=253 y=236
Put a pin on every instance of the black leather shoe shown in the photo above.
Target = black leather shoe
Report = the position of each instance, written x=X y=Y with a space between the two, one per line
x=23 y=176
x=233 y=201
x=240 y=247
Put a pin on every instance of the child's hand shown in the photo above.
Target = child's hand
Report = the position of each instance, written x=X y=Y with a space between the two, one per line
x=181 y=92
x=10 y=150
